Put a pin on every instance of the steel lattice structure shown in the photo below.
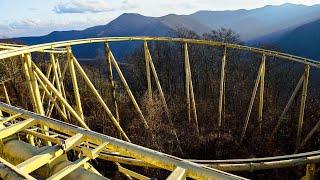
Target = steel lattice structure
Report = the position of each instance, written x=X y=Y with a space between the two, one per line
x=19 y=127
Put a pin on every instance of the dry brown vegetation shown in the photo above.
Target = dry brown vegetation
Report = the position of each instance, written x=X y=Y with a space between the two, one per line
x=241 y=71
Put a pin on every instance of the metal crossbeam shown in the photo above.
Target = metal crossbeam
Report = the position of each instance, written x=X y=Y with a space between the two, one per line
x=162 y=97
x=222 y=86
x=53 y=99
x=126 y=86
x=16 y=170
x=68 y=169
x=156 y=78
x=59 y=96
x=70 y=59
x=178 y=174
x=72 y=142
x=13 y=129
x=147 y=58
x=132 y=173
x=254 y=92
x=282 y=116
x=303 y=103
x=149 y=156
x=11 y=118
x=191 y=104
x=111 y=81
x=92 y=154
x=101 y=101
x=34 y=48
x=81 y=161
x=40 y=159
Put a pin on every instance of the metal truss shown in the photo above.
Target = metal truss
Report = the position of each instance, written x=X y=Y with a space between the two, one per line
x=25 y=129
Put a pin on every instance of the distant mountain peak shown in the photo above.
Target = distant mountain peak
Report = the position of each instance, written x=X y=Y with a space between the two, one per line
x=213 y=11
x=249 y=24
x=170 y=15
x=297 y=5
x=131 y=14
x=255 y=23
x=290 y=4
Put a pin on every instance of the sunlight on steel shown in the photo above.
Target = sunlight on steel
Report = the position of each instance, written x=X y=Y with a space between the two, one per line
x=147 y=155
x=46 y=90
x=34 y=48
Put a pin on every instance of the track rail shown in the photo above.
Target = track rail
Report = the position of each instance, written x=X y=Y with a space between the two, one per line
x=48 y=46
x=51 y=130
x=158 y=159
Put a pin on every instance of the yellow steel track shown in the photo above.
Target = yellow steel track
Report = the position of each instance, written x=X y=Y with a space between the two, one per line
x=58 y=137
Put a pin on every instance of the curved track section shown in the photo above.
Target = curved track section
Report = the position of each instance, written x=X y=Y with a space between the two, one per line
x=51 y=131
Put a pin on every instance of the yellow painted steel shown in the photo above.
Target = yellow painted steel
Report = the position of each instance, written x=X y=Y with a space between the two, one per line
x=178 y=174
x=163 y=99
x=13 y=129
x=104 y=105
x=35 y=88
x=116 y=150
x=28 y=81
x=189 y=90
x=41 y=159
x=53 y=100
x=59 y=96
x=34 y=48
x=65 y=114
x=156 y=78
x=92 y=154
x=187 y=83
x=21 y=152
x=310 y=172
x=11 y=118
x=263 y=70
x=128 y=90
x=8 y=46
x=147 y=58
x=34 y=85
x=111 y=81
x=58 y=82
x=48 y=76
x=309 y=135
x=222 y=85
x=303 y=103
x=71 y=60
x=61 y=78
x=282 y=116
x=132 y=173
x=6 y=94
x=254 y=92
x=49 y=95
x=150 y=156
x=72 y=142
x=68 y=169
x=15 y=169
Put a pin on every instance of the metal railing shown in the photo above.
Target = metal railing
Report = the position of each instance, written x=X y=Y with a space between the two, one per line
x=40 y=86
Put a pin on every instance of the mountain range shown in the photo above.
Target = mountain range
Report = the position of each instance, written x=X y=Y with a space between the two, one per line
x=294 y=28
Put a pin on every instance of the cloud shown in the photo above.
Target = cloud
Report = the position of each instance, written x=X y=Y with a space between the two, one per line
x=32 y=9
x=4 y=31
x=28 y=27
x=82 y=6
x=127 y=5
x=38 y=27
x=26 y=23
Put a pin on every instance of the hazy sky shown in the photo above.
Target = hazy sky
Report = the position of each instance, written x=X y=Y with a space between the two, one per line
x=39 y=17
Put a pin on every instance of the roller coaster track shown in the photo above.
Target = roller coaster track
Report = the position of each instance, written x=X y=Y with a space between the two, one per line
x=35 y=145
